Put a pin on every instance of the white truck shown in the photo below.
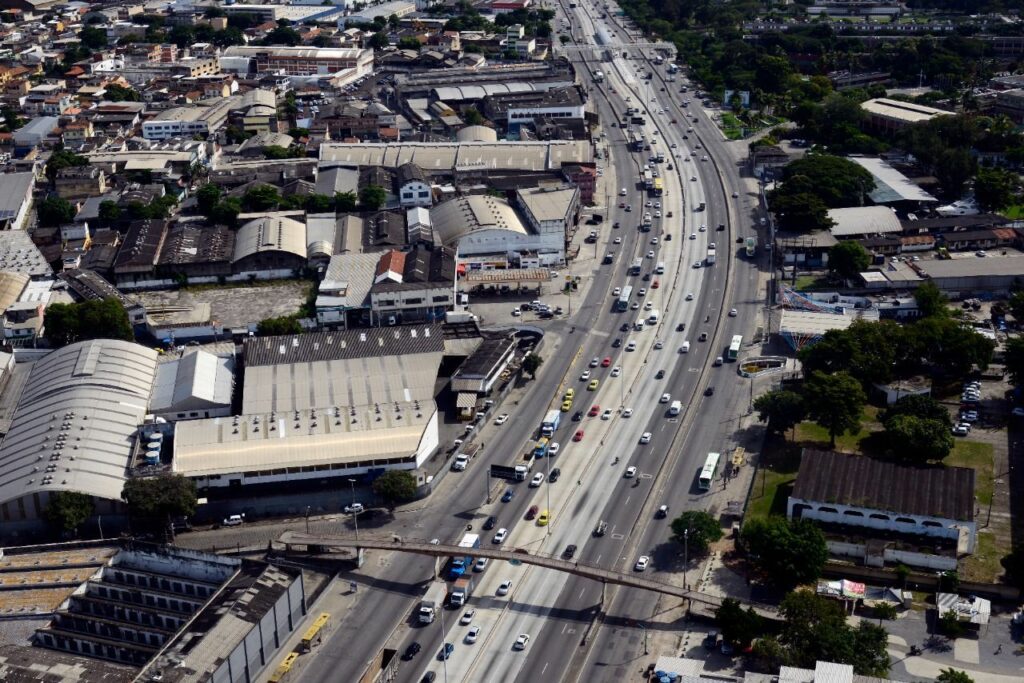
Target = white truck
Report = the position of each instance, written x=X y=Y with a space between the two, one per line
x=432 y=601
x=598 y=76
x=710 y=260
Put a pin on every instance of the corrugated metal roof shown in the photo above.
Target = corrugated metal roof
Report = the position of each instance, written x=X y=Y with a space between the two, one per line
x=864 y=220
x=197 y=380
x=76 y=418
x=344 y=344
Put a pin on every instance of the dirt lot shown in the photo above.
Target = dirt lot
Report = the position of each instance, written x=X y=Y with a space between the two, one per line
x=236 y=306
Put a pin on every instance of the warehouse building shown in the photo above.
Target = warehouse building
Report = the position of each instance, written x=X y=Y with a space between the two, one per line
x=196 y=385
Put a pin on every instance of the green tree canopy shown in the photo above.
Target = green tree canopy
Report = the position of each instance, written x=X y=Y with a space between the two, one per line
x=788 y=552
x=54 y=212
x=109 y=212
x=930 y=300
x=207 y=198
x=261 y=198
x=848 y=258
x=815 y=630
x=801 y=212
x=781 y=409
x=68 y=510
x=93 y=319
x=154 y=501
x=372 y=197
x=951 y=347
x=994 y=188
x=953 y=676
x=93 y=37
x=378 y=41
x=395 y=487
x=345 y=201
x=918 y=439
x=870 y=351
x=835 y=402
x=739 y=627
x=697 y=530
x=532 y=363
x=119 y=93
x=286 y=324
x=472 y=116
x=920 y=406
x=836 y=181
x=62 y=158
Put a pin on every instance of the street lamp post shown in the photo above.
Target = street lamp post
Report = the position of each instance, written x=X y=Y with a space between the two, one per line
x=686 y=555
x=355 y=515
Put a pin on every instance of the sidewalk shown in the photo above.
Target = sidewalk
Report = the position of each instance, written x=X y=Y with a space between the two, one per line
x=329 y=601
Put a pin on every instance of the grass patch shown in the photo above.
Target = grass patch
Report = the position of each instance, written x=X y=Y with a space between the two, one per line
x=813 y=434
x=775 y=478
x=809 y=282
x=983 y=566
x=979 y=457
x=732 y=126
x=1015 y=212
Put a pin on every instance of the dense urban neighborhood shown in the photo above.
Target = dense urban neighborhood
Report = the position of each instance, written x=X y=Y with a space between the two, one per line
x=512 y=341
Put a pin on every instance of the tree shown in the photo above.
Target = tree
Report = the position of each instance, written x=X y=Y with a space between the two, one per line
x=815 y=630
x=318 y=203
x=119 y=93
x=949 y=624
x=994 y=188
x=920 y=406
x=372 y=197
x=473 y=116
x=532 y=363
x=918 y=439
x=62 y=158
x=835 y=402
x=68 y=510
x=1016 y=306
x=696 y=530
x=836 y=181
x=395 y=486
x=286 y=324
x=54 y=212
x=781 y=409
x=109 y=212
x=949 y=346
x=93 y=37
x=768 y=655
x=953 y=676
x=261 y=198
x=930 y=300
x=283 y=35
x=226 y=212
x=867 y=350
x=788 y=552
x=884 y=611
x=207 y=198
x=154 y=501
x=378 y=41
x=345 y=201
x=848 y=258
x=802 y=212
x=93 y=319
x=739 y=627
x=409 y=43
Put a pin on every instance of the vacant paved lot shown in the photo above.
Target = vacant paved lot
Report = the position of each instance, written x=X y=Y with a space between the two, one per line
x=236 y=306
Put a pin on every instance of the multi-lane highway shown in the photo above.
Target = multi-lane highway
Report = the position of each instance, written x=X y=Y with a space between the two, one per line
x=556 y=609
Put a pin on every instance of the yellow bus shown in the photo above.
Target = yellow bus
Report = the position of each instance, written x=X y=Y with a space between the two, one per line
x=659 y=187
x=313 y=632
x=283 y=668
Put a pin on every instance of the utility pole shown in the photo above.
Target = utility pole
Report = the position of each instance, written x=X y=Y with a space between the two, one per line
x=686 y=555
x=355 y=515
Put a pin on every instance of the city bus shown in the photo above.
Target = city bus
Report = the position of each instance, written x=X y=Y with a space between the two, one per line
x=734 y=347
x=314 y=633
x=659 y=187
x=648 y=179
x=622 y=304
x=638 y=265
x=707 y=474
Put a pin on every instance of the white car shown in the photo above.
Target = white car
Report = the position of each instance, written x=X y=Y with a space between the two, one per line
x=631 y=346
x=521 y=642
x=645 y=438
x=627 y=412
x=648 y=203
x=467 y=617
x=641 y=563
x=460 y=463
x=693 y=235
x=595 y=361
x=617 y=240
x=657 y=214
x=501 y=419
x=648 y=306
x=622 y=192
x=650 y=254
x=703 y=227
x=607 y=414
x=696 y=264
x=352 y=509
x=635 y=306
x=659 y=344
x=235 y=520
x=642 y=292
x=735 y=195
x=504 y=588
x=616 y=291
x=537 y=480
x=585 y=375
x=554 y=448
x=733 y=313
x=657 y=205
x=481 y=564
x=665 y=398
x=689 y=296
x=630 y=472
x=961 y=430
x=500 y=536
x=472 y=634
x=616 y=371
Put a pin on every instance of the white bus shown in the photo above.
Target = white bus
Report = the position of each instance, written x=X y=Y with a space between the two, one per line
x=707 y=475
x=623 y=302
x=734 y=347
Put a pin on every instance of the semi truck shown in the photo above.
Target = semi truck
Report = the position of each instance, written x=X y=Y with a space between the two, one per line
x=523 y=471
x=550 y=423
x=710 y=260
x=461 y=563
x=432 y=601
x=461 y=590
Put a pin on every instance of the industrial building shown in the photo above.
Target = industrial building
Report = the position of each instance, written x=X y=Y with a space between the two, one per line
x=297 y=61
x=192 y=386
x=74 y=428
x=891 y=116
x=305 y=417
x=462 y=158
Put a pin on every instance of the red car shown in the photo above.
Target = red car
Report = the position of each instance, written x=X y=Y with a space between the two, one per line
x=606 y=362
x=655 y=285
x=532 y=512
x=578 y=436
x=622 y=205
x=594 y=410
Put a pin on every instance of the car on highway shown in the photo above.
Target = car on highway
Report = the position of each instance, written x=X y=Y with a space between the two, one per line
x=656 y=284
x=537 y=480
x=630 y=472
x=578 y=436
x=703 y=228
x=733 y=313
x=665 y=398
x=681 y=327
x=616 y=371
x=501 y=419
x=607 y=414
x=710 y=391
x=499 y=536
x=594 y=362
x=659 y=344
x=642 y=292
x=693 y=178
x=531 y=513
x=504 y=588
x=627 y=412
x=543 y=518
x=566 y=405
x=635 y=306
x=467 y=617
x=650 y=254
x=508 y=495
x=642 y=562
x=617 y=291
x=352 y=509
x=606 y=362
x=735 y=195
x=696 y=264
x=554 y=448
x=617 y=343
x=659 y=375
x=472 y=634
x=594 y=383
x=703 y=336
x=577 y=416
x=491 y=522
x=585 y=375
x=481 y=564
x=411 y=651
x=624 y=327
x=645 y=438
x=622 y=192
x=446 y=651
x=631 y=346
x=662 y=512
x=617 y=240
x=569 y=552
x=693 y=235
x=521 y=642
x=648 y=306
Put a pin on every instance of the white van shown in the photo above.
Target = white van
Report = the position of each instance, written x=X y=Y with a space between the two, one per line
x=685 y=348
x=675 y=408
x=660 y=268
x=652 y=319
x=639 y=324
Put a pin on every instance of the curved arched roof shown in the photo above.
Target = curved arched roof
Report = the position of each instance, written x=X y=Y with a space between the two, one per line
x=75 y=422
x=271 y=233
x=477 y=134
x=458 y=217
